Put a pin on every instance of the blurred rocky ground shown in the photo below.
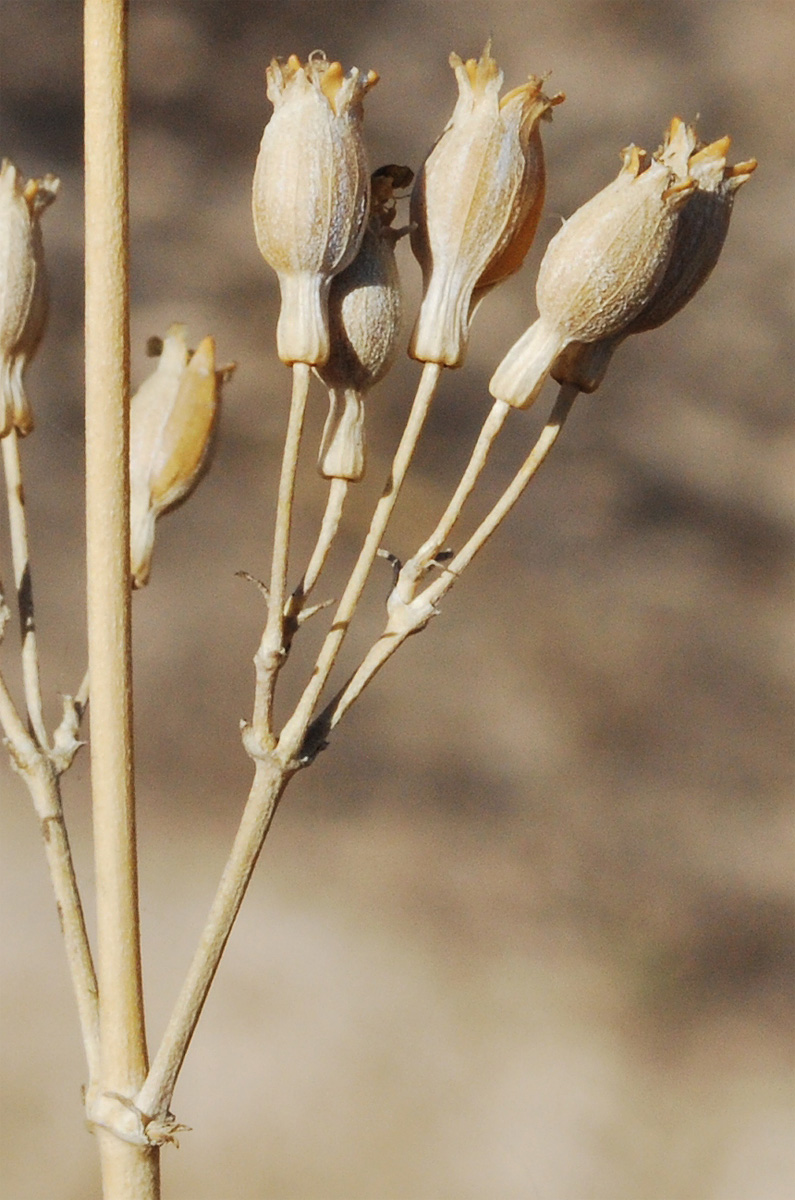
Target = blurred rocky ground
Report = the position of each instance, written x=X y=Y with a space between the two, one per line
x=524 y=932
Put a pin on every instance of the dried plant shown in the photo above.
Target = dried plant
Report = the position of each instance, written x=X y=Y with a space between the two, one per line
x=626 y=261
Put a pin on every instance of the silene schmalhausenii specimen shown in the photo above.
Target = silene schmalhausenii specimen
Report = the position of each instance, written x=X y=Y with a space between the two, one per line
x=23 y=288
x=625 y=262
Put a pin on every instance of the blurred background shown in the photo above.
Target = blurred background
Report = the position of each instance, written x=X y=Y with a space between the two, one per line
x=525 y=929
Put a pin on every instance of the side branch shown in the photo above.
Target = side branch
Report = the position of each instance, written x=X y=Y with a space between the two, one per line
x=271 y=652
x=407 y=618
x=292 y=736
x=154 y=1098
x=42 y=782
x=24 y=585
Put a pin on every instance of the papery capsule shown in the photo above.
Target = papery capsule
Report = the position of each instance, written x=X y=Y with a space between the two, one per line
x=701 y=230
x=23 y=288
x=311 y=193
x=365 y=314
x=599 y=271
x=476 y=203
x=173 y=417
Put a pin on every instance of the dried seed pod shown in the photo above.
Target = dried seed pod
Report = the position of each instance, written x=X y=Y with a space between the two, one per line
x=599 y=271
x=172 y=420
x=476 y=203
x=311 y=193
x=701 y=230
x=365 y=317
x=23 y=288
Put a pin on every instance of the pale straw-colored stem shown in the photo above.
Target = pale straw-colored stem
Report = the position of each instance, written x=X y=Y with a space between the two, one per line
x=129 y=1172
x=271 y=651
x=549 y=435
x=42 y=783
x=415 y=615
x=292 y=736
x=338 y=490
x=414 y=569
x=20 y=556
x=270 y=780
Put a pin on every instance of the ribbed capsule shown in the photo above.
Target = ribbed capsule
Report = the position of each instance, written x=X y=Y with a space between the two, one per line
x=365 y=314
x=599 y=271
x=701 y=230
x=23 y=288
x=173 y=417
x=311 y=193
x=476 y=203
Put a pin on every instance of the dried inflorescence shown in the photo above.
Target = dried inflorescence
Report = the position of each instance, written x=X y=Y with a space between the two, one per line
x=23 y=288
x=625 y=262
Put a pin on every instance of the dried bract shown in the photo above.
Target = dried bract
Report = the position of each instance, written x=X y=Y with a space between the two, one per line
x=23 y=288
x=365 y=318
x=476 y=203
x=599 y=271
x=311 y=193
x=172 y=420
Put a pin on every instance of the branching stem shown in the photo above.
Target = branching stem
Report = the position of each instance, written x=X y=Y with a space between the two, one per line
x=338 y=490
x=292 y=735
x=20 y=555
x=269 y=783
x=271 y=651
x=42 y=782
x=414 y=569
x=407 y=618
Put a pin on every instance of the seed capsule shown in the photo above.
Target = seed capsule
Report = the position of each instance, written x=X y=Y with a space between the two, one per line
x=311 y=193
x=365 y=317
x=476 y=203
x=23 y=288
x=599 y=271
x=701 y=230
x=172 y=421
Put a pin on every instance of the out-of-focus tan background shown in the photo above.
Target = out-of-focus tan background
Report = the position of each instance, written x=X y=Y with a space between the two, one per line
x=524 y=932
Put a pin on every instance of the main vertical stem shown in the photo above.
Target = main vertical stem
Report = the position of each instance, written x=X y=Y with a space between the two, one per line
x=129 y=1172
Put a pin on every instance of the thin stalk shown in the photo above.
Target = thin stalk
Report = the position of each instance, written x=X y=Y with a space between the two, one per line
x=292 y=735
x=549 y=435
x=424 y=604
x=20 y=556
x=417 y=565
x=271 y=651
x=42 y=782
x=129 y=1172
x=338 y=490
x=270 y=780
